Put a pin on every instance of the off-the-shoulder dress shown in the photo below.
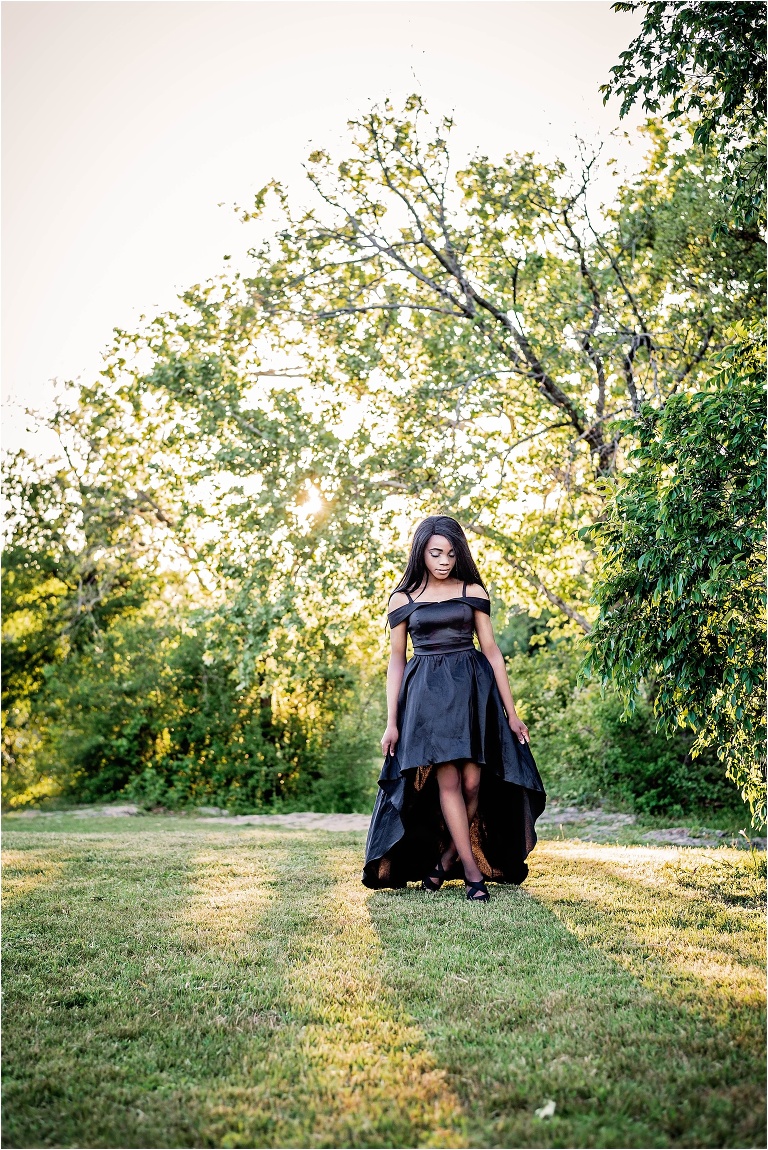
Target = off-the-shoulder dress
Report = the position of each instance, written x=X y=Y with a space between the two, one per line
x=450 y=710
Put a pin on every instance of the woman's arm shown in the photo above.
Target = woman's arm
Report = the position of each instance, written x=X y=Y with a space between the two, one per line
x=398 y=638
x=490 y=649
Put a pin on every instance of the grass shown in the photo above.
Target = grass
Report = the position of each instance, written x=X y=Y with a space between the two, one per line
x=172 y=983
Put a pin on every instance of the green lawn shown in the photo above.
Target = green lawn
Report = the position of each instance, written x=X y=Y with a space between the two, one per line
x=172 y=983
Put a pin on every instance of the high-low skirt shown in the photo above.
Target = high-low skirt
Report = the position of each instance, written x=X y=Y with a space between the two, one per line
x=450 y=710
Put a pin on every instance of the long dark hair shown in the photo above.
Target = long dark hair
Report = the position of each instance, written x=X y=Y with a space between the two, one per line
x=464 y=567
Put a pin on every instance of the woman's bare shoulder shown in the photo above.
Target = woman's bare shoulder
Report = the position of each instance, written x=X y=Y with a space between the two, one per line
x=398 y=599
x=476 y=591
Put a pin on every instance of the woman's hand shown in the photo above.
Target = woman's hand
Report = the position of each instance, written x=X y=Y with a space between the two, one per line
x=389 y=739
x=518 y=727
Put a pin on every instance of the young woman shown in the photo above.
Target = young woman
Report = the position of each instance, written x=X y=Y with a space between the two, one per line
x=459 y=792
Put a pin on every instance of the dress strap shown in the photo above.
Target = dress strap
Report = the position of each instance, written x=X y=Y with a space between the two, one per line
x=464 y=590
x=478 y=604
x=400 y=613
x=410 y=600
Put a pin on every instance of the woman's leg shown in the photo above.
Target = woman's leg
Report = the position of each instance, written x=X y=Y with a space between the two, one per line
x=470 y=787
x=454 y=810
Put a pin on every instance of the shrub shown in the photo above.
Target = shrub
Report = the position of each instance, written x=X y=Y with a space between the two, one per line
x=151 y=714
x=587 y=753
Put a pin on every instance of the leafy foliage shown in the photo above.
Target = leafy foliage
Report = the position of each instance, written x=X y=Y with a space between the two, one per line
x=175 y=619
x=681 y=579
x=194 y=587
x=77 y=556
x=490 y=332
x=589 y=752
x=152 y=712
x=709 y=58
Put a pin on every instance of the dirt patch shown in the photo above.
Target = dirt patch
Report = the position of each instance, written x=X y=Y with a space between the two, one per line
x=598 y=825
x=111 y=811
x=574 y=823
x=299 y=820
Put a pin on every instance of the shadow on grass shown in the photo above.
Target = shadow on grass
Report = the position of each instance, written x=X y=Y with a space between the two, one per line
x=668 y=918
x=222 y=989
x=562 y=990
x=78 y=949
x=344 y=1065
x=241 y=988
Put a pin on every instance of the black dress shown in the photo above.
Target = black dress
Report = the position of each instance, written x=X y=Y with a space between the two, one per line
x=449 y=710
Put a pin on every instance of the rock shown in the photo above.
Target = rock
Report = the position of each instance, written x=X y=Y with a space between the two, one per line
x=682 y=837
x=554 y=816
x=686 y=837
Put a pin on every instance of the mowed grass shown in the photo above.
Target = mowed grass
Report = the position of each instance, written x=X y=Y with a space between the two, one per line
x=170 y=983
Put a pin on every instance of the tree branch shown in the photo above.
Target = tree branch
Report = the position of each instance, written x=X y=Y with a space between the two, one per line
x=532 y=578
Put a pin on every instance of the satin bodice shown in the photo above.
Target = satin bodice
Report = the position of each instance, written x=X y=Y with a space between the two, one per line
x=440 y=628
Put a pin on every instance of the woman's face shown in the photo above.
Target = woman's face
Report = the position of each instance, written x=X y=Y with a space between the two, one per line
x=439 y=557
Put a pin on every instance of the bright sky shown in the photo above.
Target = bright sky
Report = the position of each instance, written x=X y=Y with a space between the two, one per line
x=126 y=125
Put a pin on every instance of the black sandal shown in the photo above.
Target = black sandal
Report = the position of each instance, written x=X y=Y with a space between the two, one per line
x=477 y=891
x=436 y=877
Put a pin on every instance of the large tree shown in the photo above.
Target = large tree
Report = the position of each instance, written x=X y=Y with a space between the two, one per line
x=680 y=579
x=413 y=341
x=418 y=340
x=495 y=326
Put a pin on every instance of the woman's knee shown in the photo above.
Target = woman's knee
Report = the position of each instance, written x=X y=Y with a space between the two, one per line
x=448 y=777
x=470 y=780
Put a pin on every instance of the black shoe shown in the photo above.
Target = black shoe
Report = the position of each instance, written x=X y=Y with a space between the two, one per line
x=436 y=877
x=477 y=891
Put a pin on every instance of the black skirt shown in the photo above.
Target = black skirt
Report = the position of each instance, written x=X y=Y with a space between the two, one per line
x=450 y=710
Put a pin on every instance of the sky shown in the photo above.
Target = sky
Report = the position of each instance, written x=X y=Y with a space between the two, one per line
x=130 y=129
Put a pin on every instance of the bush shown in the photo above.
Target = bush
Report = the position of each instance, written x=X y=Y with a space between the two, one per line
x=348 y=776
x=680 y=577
x=588 y=754
x=150 y=714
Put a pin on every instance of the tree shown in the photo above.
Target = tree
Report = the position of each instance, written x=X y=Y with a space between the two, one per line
x=709 y=59
x=172 y=604
x=78 y=552
x=680 y=582
x=496 y=330
x=413 y=342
